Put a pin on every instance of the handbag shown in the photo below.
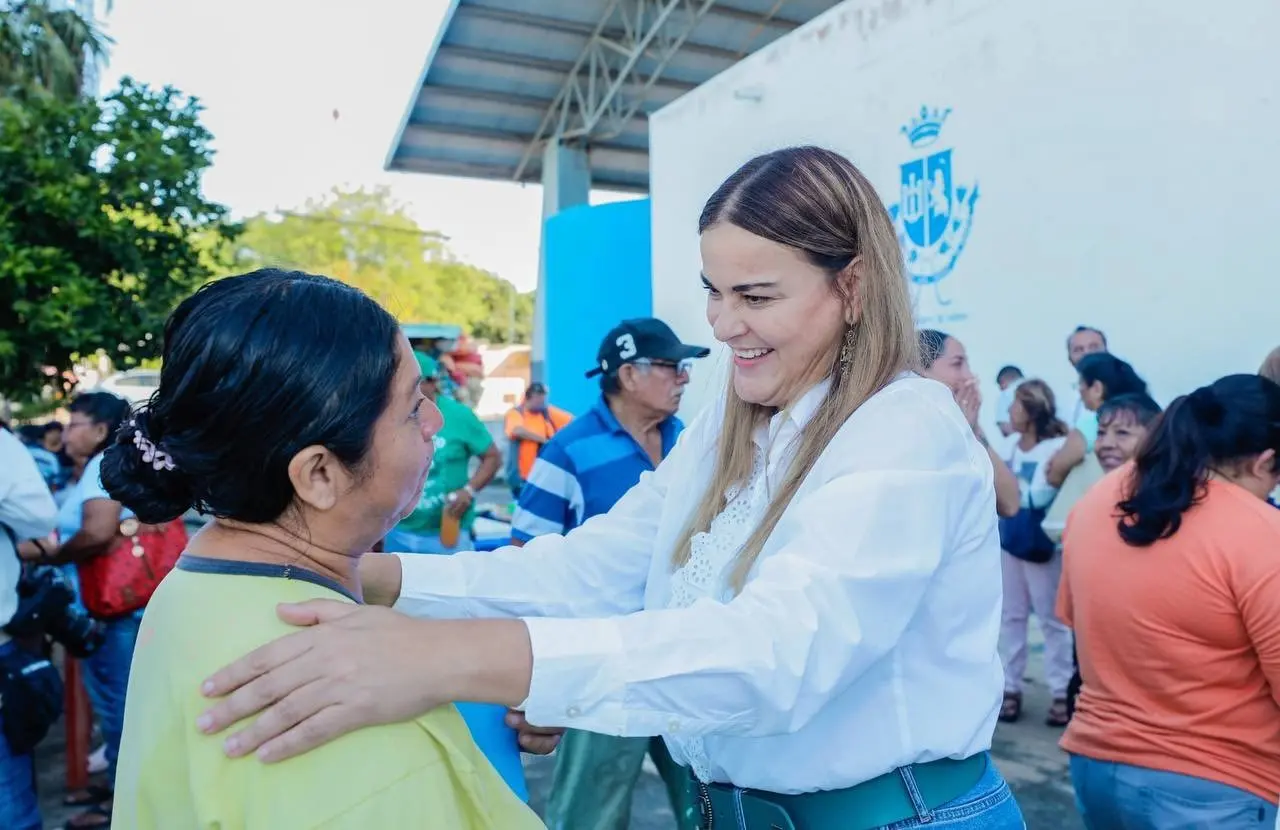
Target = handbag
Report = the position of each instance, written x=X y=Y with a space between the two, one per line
x=31 y=693
x=123 y=579
x=1023 y=536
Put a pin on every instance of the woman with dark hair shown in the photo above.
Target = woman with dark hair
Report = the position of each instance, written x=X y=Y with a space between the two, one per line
x=1031 y=581
x=1102 y=376
x=933 y=345
x=88 y=525
x=1123 y=424
x=943 y=358
x=1172 y=584
x=44 y=442
x=306 y=442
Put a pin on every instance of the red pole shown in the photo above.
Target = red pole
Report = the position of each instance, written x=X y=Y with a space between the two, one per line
x=79 y=719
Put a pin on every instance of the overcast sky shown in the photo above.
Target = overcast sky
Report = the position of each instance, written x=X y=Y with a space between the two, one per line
x=272 y=73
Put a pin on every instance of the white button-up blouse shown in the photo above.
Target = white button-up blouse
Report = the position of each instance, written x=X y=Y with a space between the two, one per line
x=863 y=640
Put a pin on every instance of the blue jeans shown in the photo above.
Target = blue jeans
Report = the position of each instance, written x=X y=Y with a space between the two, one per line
x=485 y=720
x=106 y=678
x=989 y=805
x=1123 y=797
x=19 y=809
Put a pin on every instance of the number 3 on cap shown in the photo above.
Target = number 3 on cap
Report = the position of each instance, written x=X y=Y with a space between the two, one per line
x=626 y=347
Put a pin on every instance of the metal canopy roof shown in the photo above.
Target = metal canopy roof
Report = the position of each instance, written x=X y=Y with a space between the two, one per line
x=505 y=75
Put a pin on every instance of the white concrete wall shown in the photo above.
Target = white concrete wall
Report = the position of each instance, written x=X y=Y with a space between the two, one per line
x=1125 y=153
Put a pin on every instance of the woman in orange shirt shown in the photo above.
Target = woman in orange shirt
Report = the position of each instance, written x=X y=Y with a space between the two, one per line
x=1171 y=580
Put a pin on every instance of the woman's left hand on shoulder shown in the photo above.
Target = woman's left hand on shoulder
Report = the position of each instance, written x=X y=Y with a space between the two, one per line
x=352 y=666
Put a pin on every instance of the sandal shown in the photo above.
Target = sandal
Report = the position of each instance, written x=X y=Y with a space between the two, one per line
x=99 y=815
x=1058 y=715
x=90 y=796
x=1011 y=708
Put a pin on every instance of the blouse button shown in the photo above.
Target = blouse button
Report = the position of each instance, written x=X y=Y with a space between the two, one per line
x=573 y=711
x=673 y=725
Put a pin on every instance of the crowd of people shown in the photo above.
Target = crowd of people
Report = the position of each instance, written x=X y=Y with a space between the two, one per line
x=1144 y=543
x=62 y=469
x=460 y=366
x=809 y=606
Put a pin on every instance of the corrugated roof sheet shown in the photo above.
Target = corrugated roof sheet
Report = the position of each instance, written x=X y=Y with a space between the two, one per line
x=498 y=65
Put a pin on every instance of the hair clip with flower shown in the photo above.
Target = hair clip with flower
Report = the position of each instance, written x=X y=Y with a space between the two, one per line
x=151 y=454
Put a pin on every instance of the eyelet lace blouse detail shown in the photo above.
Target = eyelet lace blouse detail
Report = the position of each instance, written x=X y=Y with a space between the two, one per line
x=705 y=575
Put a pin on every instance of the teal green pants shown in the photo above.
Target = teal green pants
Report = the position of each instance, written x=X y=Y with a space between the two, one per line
x=596 y=774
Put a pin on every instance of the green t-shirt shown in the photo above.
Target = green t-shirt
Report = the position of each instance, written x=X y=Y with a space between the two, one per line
x=462 y=437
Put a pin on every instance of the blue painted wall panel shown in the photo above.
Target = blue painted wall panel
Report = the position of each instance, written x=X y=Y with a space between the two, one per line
x=599 y=272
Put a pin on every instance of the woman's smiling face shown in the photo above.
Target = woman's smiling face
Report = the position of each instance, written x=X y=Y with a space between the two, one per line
x=1119 y=436
x=778 y=312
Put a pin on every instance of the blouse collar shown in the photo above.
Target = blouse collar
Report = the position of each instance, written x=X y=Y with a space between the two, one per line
x=797 y=416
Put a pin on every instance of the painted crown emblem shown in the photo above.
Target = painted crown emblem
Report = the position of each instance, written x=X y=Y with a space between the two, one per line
x=923 y=131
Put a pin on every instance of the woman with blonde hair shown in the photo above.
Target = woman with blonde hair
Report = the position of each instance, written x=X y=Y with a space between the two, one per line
x=785 y=600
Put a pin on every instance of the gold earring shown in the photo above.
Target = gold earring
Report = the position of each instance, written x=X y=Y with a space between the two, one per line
x=846 y=351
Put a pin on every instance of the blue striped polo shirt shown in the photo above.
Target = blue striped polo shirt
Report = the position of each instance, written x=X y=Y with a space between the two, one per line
x=583 y=471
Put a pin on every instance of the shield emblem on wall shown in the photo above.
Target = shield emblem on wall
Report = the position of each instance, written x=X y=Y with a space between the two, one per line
x=926 y=198
x=934 y=214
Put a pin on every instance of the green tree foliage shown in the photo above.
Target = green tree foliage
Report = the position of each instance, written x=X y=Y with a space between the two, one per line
x=45 y=48
x=366 y=239
x=103 y=227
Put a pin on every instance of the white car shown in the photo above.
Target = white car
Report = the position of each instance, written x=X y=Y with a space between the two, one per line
x=135 y=385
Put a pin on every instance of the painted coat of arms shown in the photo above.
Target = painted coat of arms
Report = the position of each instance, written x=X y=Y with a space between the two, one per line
x=935 y=213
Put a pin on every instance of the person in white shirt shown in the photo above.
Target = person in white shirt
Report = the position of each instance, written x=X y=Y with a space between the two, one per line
x=27 y=511
x=1083 y=341
x=803 y=599
x=1007 y=379
x=1031 y=565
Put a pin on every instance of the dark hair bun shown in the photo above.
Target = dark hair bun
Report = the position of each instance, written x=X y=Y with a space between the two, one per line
x=254 y=371
x=154 y=493
x=1206 y=407
x=1233 y=418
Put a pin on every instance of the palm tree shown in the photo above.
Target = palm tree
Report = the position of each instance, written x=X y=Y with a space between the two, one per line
x=45 y=47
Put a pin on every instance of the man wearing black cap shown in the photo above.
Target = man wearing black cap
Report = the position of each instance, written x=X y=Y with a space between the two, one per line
x=646 y=339
x=583 y=471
